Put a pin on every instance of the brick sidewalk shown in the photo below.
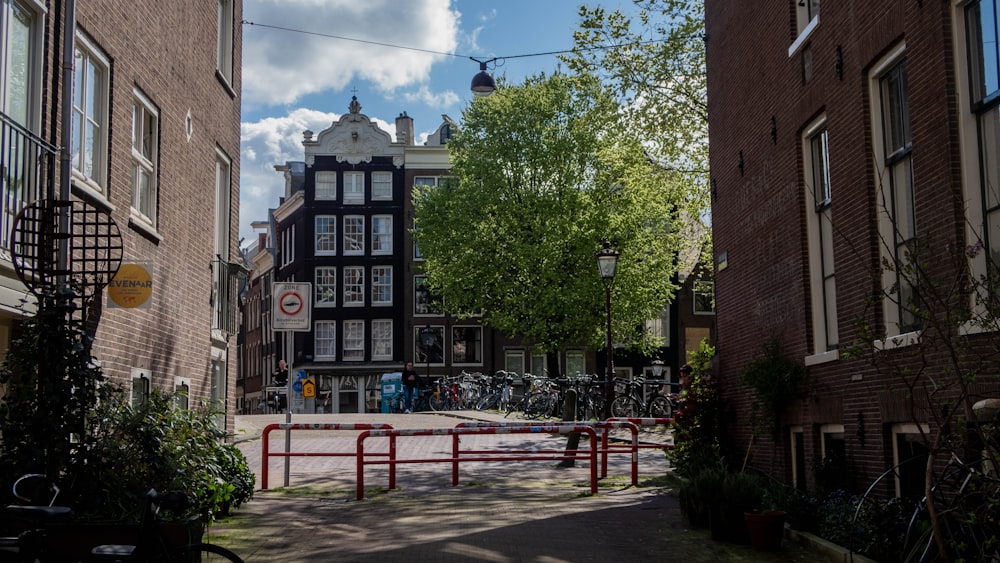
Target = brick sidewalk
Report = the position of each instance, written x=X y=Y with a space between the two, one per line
x=502 y=511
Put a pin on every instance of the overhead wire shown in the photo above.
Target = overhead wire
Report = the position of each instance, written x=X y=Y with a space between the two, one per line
x=444 y=53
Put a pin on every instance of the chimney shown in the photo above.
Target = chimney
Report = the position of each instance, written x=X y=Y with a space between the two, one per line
x=404 y=129
x=261 y=242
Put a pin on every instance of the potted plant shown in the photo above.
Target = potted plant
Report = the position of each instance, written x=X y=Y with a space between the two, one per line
x=741 y=492
x=699 y=495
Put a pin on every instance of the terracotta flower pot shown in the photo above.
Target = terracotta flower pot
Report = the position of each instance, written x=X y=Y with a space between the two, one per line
x=766 y=529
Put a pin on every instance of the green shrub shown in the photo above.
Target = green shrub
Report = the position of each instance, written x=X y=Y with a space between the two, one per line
x=165 y=447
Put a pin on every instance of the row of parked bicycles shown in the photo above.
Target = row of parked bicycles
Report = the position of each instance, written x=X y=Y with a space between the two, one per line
x=543 y=397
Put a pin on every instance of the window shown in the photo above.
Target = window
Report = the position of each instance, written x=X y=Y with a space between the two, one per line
x=145 y=141
x=416 y=249
x=381 y=234
x=326 y=235
x=287 y=245
x=90 y=115
x=182 y=392
x=513 y=361
x=354 y=286
x=326 y=185
x=982 y=119
x=354 y=341
x=325 y=340
x=575 y=362
x=140 y=386
x=819 y=224
x=382 y=339
x=381 y=285
x=833 y=472
x=381 y=186
x=538 y=363
x=806 y=10
x=223 y=203
x=467 y=345
x=910 y=453
x=434 y=353
x=354 y=235
x=897 y=227
x=424 y=303
x=704 y=297
x=224 y=42
x=325 y=281
x=354 y=188
x=20 y=60
x=658 y=329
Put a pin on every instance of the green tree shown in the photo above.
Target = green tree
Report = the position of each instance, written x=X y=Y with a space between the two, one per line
x=543 y=174
x=655 y=66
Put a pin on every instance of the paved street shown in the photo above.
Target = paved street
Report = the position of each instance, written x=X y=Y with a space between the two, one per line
x=526 y=511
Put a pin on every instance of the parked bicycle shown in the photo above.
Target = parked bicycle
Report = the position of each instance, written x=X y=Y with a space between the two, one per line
x=629 y=401
x=497 y=393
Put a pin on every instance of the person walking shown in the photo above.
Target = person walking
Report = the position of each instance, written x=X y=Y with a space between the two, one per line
x=410 y=382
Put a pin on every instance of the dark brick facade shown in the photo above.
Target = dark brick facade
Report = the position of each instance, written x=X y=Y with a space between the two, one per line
x=764 y=91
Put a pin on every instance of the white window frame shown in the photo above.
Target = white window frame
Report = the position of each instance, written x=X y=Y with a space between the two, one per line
x=699 y=288
x=354 y=286
x=288 y=245
x=353 y=344
x=819 y=226
x=381 y=185
x=141 y=387
x=539 y=363
x=381 y=285
x=425 y=301
x=512 y=359
x=382 y=339
x=326 y=185
x=224 y=41
x=145 y=158
x=325 y=283
x=659 y=328
x=354 y=235
x=381 y=234
x=903 y=428
x=457 y=343
x=418 y=345
x=576 y=362
x=93 y=78
x=223 y=202
x=325 y=235
x=354 y=188
x=889 y=244
x=974 y=105
x=33 y=50
x=325 y=340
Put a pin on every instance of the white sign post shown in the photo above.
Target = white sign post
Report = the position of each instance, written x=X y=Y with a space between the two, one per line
x=291 y=312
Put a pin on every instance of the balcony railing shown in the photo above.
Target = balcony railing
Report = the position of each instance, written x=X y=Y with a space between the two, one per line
x=227 y=282
x=27 y=167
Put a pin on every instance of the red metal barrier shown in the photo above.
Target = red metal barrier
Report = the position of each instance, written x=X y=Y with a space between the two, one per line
x=265 y=444
x=602 y=452
x=534 y=429
x=638 y=421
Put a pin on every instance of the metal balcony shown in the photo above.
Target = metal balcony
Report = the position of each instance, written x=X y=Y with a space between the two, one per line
x=27 y=170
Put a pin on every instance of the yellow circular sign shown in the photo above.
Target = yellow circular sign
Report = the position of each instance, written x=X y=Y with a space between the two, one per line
x=131 y=287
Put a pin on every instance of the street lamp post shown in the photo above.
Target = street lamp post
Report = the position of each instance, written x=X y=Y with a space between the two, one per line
x=607 y=263
x=657 y=368
x=427 y=338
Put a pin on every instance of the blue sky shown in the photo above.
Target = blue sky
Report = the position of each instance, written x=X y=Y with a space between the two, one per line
x=298 y=80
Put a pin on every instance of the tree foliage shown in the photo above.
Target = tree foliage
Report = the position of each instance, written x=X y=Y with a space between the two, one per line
x=655 y=66
x=542 y=173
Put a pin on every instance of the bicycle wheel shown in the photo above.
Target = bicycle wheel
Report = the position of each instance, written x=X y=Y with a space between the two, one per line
x=203 y=553
x=488 y=401
x=625 y=406
x=661 y=407
x=438 y=401
x=537 y=405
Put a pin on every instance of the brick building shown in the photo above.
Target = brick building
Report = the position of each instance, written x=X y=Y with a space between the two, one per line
x=153 y=144
x=842 y=140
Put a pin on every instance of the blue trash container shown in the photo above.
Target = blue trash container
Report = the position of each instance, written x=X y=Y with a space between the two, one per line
x=392 y=390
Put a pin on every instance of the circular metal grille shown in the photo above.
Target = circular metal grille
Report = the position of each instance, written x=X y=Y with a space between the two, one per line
x=65 y=242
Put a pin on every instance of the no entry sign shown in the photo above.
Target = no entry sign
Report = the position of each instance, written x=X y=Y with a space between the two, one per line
x=292 y=306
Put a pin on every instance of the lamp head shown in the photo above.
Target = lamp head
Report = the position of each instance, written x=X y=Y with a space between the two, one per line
x=482 y=83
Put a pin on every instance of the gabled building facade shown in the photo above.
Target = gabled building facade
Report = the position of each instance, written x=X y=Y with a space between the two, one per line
x=847 y=138
x=151 y=145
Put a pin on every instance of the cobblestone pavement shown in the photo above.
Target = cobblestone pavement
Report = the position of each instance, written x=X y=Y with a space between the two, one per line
x=526 y=511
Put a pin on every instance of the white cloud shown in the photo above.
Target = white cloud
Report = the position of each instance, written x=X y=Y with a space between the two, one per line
x=436 y=100
x=280 y=67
